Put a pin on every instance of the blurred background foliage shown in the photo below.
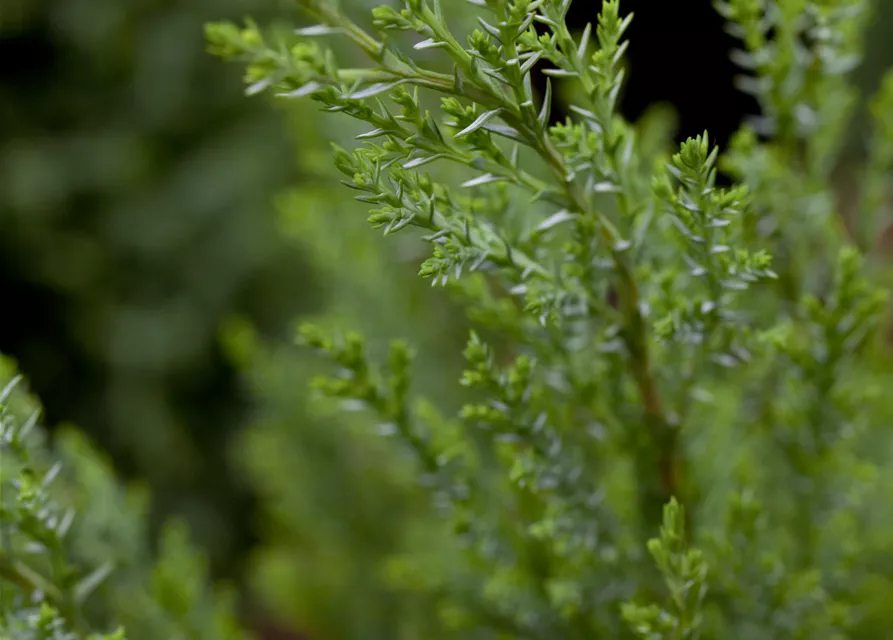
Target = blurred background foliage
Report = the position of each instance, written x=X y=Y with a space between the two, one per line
x=136 y=212
x=161 y=234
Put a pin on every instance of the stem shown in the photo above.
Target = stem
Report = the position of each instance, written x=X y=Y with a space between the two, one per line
x=29 y=581
x=659 y=463
x=659 y=468
x=330 y=16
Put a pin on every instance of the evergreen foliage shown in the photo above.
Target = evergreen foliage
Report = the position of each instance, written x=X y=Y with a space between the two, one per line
x=645 y=336
x=76 y=555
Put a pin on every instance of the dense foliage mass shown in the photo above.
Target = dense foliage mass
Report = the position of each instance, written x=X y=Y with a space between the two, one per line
x=643 y=333
x=672 y=413
x=75 y=550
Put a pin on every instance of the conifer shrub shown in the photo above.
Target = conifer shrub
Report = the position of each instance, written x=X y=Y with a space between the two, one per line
x=676 y=407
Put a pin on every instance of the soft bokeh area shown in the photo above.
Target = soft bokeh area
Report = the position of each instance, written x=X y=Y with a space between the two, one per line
x=161 y=236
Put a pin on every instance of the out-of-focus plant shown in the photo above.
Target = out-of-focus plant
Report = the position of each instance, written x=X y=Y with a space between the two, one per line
x=76 y=554
x=133 y=222
x=336 y=504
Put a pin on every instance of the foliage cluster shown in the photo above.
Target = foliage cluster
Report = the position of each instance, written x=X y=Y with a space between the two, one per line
x=76 y=554
x=671 y=402
x=650 y=325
